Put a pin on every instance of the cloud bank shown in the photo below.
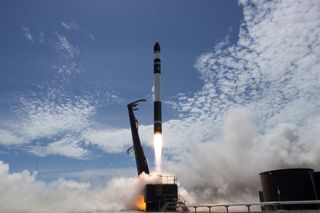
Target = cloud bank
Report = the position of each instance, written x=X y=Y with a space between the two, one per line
x=258 y=108
x=52 y=119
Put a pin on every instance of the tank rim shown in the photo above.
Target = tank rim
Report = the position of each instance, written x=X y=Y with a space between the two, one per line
x=287 y=169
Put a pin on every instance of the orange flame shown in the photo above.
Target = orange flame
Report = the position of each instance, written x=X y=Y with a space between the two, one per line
x=140 y=203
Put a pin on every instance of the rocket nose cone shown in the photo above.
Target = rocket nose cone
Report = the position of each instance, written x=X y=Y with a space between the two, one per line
x=156 y=47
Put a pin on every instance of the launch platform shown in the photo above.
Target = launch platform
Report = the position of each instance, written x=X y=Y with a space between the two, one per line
x=162 y=196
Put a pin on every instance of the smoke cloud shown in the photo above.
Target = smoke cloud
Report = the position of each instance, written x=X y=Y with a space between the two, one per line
x=258 y=108
x=227 y=169
x=22 y=192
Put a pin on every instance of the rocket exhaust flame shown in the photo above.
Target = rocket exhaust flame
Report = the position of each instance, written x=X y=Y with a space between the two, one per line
x=157 y=143
x=140 y=203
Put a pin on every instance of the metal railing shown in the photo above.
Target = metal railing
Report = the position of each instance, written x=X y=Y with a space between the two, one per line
x=275 y=204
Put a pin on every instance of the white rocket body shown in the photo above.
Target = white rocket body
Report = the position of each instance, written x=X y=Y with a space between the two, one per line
x=156 y=84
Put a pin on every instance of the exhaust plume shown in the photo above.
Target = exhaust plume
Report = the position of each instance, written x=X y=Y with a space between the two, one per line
x=22 y=192
x=157 y=143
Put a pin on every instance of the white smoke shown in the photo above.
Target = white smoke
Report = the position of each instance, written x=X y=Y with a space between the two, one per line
x=22 y=192
x=259 y=106
x=227 y=168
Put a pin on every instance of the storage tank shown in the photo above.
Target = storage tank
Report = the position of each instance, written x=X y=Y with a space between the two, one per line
x=317 y=178
x=289 y=185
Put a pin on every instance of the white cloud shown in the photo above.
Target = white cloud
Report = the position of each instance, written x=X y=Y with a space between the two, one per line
x=109 y=140
x=27 y=34
x=67 y=146
x=258 y=108
x=41 y=37
x=75 y=26
x=66 y=47
x=96 y=177
x=71 y=25
x=46 y=118
x=113 y=140
x=10 y=138
x=51 y=120
x=33 y=36
x=272 y=69
x=54 y=123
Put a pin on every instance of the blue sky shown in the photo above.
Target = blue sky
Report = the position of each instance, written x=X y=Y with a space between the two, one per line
x=110 y=55
x=240 y=92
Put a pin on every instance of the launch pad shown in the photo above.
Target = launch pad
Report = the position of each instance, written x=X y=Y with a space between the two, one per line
x=162 y=196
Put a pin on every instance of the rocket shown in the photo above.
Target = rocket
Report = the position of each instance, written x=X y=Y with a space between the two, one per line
x=156 y=85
